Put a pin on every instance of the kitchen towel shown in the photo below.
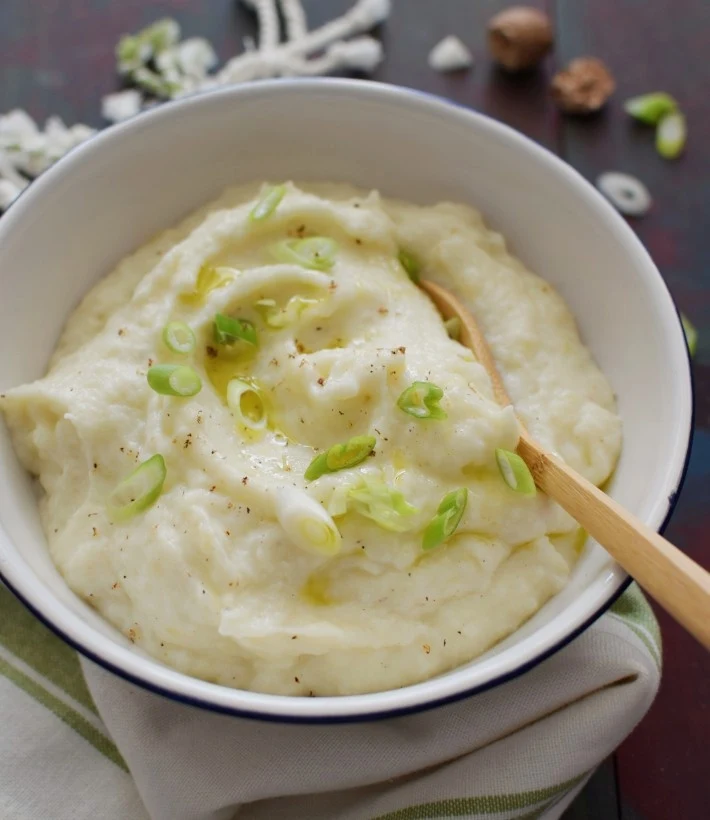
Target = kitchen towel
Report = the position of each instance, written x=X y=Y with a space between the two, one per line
x=93 y=747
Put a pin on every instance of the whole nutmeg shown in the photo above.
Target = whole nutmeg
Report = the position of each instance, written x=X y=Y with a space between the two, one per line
x=583 y=87
x=519 y=37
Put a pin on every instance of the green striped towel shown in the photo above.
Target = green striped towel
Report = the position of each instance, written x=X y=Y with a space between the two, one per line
x=522 y=750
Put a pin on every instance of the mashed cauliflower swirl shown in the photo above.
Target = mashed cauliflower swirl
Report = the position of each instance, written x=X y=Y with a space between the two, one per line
x=243 y=572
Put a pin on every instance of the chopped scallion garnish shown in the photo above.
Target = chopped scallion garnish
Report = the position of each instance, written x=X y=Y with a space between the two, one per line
x=650 y=108
x=448 y=516
x=208 y=279
x=515 y=472
x=382 y=504
x=179 y=338
x=314 y=252
x=228 y=330
x=139 y=490
x=410 y=264
x=691 y=334
x=174 y=380
x=306 y=523
x=282 y=317
x=421 y=400
x=671 y=134
x=267 y=203
x=341 y=456
x=245 y=402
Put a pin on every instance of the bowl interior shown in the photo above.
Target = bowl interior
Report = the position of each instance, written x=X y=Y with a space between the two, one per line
x=112 y=194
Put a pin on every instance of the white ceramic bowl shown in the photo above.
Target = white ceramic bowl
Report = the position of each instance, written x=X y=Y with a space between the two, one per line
x=110 y=195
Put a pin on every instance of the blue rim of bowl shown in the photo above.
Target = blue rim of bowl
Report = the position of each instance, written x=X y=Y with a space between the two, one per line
x=430 y=704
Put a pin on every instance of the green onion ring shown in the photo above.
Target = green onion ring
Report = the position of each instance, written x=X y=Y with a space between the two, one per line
x=448 y=516
x=515 y=472
x=228 y=330
x=267 y=203
x=174 y=380
x=139 y=490
x=314 y=252
x=341 y=456
x=421 y=400
x=179 y=338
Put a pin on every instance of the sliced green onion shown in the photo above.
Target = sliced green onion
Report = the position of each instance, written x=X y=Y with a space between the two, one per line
x=515 y=472
x=315 y=252
x=139 y=490
x=208 y=279
x=174 y=380
x=691 y=334
x=245 y=402
x=448 y=516
x=287 y=315
x=352 y=452
x=306 y=523
x=410 y=264
x=179 y=337
x=317 y=467
x=228 y=330
x=341 y=456
x=453 y=327
x=421 y=400
x=382 y=504
x=671 y=134
x=268 y=202
x=650 y=108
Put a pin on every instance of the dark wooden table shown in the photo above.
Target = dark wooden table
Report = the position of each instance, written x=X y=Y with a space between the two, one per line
x=56 y=57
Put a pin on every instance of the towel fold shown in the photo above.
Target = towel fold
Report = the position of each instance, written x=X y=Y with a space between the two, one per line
x=521 y=750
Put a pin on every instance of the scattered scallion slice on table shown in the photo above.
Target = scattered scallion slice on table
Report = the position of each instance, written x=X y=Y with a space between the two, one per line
x=267 y=203
x=515 y=472
x=453 y=327
x=139 y=490
x=382 y=504
x=179 y=338
x=174 y=380
x=228 y=330
x=421 y=400
x=341 y=456
x=671 y=133
x=691 y=334
x=626 y=193
x=314 y=252
x=650 y=108
x=410 y=264
x=448 y=516
x=245 y=402
x=306 y=523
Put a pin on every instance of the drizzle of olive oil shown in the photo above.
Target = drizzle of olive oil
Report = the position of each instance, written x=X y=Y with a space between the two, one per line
x=223 y=366
x=315 y=590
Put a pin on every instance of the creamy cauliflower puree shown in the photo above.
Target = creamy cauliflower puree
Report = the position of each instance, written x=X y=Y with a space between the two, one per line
x=219 y=557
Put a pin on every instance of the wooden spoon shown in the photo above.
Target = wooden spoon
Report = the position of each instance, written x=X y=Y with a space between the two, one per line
x=680 y=586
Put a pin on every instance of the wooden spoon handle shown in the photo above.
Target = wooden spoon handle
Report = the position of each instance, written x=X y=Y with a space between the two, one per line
x=680 y=586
